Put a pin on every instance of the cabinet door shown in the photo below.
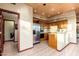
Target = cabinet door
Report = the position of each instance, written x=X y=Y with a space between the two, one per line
x=49 y=41
x=53 y=41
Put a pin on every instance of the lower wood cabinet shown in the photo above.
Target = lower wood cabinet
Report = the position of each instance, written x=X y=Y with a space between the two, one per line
x=58 y=40
x=52 y=40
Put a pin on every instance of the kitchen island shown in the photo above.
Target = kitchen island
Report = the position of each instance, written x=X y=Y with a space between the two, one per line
x=58 y=40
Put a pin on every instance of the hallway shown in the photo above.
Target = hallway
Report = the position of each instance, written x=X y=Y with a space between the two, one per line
x=41 y=49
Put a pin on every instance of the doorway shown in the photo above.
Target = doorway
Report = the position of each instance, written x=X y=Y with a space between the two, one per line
x=10 y=30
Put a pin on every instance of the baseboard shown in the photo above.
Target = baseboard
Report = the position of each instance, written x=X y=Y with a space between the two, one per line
x=25 y=49
x=8 y=40
x=15 y=41
x=73 y=43
x=63 y=48
x=36 y=43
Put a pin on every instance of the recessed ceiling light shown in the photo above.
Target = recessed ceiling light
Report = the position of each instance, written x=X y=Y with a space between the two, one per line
x=48 y=15
x=43 y=13
x=73 y=8
x=35 y=11
x=53 y=9
x=58 y=12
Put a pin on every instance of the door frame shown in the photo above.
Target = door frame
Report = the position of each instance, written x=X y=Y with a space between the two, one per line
x=1 y=35
x=14 y=29
x=18 y=17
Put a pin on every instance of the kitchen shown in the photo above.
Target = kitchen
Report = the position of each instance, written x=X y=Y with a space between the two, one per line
x=55 y=33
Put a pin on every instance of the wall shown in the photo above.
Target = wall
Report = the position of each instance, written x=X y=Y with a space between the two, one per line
x=71 y=17
x=25 y=24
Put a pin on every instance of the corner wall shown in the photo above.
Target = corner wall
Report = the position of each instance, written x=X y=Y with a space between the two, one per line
x=71 y=17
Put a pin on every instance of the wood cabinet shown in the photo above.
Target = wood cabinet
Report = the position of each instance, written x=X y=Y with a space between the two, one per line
x=52 y=40
x=62 y=24
x=58 y=40
x=46 y=36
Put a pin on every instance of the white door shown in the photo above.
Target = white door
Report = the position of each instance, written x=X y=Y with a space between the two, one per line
x=9 y=28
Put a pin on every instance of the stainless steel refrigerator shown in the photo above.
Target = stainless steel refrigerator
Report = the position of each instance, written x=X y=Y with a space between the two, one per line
x=36 y=33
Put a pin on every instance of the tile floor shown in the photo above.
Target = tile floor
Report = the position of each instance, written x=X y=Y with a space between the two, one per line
x=41 y=49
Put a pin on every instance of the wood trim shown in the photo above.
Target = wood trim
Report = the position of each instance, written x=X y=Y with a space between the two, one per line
x=77 y=22
x=18 y=36
x=1 y=35
x=12 y=12
x=8 y=11
x=8 y=20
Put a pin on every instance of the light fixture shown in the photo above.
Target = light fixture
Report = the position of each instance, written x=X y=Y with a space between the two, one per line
x=43 y=13
x=35 y=11
x=48 y=15
x=13 y=3
x=73 y=8
x=44 y=4
x=58 y=12
x=52 y=9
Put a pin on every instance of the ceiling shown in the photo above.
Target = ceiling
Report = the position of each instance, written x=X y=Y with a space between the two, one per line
x=52 y=9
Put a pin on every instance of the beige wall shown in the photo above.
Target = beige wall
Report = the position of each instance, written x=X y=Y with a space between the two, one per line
x=25 y=23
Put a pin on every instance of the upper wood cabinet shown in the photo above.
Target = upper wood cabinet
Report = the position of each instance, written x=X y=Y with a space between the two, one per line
x=62 y=24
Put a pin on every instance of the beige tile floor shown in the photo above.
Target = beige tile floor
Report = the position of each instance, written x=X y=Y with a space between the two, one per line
x=41 y=49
